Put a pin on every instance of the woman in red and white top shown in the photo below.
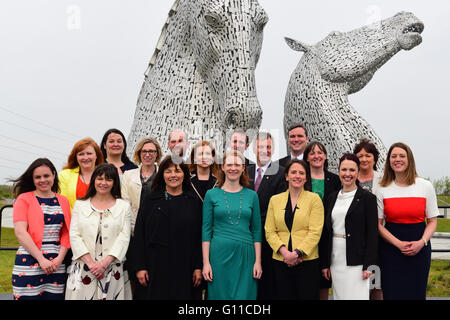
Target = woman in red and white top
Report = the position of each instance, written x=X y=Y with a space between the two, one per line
x=405 y=202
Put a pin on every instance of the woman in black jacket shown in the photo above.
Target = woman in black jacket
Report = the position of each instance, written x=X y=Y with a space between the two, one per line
x=203 y=168
x=165 y=253
x=350 y=235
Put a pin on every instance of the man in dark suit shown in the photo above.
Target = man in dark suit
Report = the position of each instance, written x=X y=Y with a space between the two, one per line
x=267 y=179
x=298 y=140
x=239 y=140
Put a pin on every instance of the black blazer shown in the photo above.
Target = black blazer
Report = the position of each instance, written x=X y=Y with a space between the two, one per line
x=332 y=184
x=272 y=183
x=197 y=186
x=361 y=228
x=284 y=161
x=167 y=243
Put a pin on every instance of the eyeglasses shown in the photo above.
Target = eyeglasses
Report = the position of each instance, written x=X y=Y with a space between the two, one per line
x=148 y=151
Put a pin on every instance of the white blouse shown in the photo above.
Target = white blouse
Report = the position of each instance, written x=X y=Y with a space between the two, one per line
x=340 y=210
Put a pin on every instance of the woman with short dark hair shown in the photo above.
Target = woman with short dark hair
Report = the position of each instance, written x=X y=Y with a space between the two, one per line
x=323 y=182
x=369 y=179
x=368 y=154
x=165 y=253
x=100 y=234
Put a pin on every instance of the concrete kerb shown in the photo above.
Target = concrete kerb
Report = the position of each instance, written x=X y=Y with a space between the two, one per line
x=442 y=235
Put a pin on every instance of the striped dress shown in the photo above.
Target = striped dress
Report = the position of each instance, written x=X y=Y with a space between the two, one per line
x=28 y=279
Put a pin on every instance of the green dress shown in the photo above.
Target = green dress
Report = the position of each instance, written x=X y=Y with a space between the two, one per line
x=232 y=223
x=318 y=186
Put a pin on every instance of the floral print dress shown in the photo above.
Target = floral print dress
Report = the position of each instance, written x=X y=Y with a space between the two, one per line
x=83 y=285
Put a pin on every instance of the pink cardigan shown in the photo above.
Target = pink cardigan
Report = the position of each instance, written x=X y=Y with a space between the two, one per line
x=26 y=208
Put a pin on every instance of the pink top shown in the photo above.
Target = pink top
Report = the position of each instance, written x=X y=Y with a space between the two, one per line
x=26 y=208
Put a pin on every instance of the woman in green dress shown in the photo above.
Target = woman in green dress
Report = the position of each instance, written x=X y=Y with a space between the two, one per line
x=231 y=234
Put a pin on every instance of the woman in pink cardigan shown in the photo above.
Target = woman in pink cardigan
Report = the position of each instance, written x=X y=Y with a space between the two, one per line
x=41 y=222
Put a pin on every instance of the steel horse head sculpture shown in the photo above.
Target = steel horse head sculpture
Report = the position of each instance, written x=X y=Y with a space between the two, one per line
x=201 y=77
x=339 y=65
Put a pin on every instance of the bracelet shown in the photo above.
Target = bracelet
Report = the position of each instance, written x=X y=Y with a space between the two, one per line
x=425 y=241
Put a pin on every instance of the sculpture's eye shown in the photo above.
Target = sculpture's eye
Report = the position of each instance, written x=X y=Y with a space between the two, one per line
x=213 y=20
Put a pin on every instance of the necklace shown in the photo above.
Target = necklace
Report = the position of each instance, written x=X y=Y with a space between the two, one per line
x=230 y=220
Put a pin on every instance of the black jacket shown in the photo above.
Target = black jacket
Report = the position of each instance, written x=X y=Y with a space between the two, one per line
x=332 y=184
x=201 y=188
x=361 y=228
x=167 y=243
x=272 y=183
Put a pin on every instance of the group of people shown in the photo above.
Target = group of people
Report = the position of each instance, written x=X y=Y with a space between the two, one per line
x=194 y=227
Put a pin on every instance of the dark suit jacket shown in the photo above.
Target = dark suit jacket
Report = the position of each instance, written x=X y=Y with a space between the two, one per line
x=284 y=161
x=332 y=184
x=361 y=228
x=272 y=183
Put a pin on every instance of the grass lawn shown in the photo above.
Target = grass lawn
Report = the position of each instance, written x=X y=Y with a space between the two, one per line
x=7 y=259
x=443 y=225
x=443 y=200
x=439 y=279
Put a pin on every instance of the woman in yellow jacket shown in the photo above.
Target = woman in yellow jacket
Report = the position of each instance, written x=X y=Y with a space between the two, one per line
x=293 y=228
x=75 y=177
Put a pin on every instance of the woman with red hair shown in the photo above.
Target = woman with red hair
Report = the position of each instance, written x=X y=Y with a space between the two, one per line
x=76 y=174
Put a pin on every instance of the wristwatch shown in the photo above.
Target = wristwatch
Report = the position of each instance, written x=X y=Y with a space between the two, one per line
x=299 y=253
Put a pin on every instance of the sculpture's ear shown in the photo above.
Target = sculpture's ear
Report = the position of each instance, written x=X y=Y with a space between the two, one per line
x=297 y=45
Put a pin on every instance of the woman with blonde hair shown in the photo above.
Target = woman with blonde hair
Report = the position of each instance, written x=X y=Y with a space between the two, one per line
x=137 y=183
x=407 y=216
x=76 y=174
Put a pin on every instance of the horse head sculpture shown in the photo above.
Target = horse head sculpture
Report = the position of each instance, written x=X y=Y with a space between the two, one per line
x=201 y=77
x=339 y=65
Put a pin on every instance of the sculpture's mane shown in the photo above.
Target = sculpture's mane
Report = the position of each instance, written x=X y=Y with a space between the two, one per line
x=162 y=37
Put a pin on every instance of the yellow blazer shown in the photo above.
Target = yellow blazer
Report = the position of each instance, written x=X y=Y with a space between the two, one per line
x=306 y=227
x=68 y=179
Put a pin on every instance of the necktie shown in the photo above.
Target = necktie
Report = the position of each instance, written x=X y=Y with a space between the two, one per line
x=258 y=179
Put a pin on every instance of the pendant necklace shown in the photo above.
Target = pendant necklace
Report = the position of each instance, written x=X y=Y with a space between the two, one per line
x=230 y=220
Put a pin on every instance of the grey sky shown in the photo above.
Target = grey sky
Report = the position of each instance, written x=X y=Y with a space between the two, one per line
x=71 y=69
